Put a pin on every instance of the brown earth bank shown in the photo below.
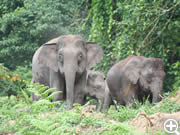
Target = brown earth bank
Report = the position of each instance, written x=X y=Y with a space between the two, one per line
x=156 y=121
x=153 y=122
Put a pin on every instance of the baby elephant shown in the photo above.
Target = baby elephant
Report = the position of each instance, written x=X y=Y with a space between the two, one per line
x=95 y=87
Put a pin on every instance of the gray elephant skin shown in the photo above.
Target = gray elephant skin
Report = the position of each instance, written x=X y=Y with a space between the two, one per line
x=136 y=78
x=95 y=87
x=62 y=63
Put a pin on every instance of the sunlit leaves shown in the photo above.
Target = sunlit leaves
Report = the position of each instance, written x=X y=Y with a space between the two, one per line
x=148 y=28
x=24 y=28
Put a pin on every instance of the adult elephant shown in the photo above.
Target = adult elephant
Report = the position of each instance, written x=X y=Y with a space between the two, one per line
x=62 y=64
x=134 y=78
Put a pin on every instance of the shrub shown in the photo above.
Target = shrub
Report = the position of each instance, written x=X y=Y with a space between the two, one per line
x=24 y=72
x=10 y=84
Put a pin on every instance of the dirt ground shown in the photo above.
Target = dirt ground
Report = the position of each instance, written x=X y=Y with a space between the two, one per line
x=149 y=124
x=145 y=123
x=154 y=122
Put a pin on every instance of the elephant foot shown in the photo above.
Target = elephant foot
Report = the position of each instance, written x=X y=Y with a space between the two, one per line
x=69 y=106
x=105 y=108
x=35 y=98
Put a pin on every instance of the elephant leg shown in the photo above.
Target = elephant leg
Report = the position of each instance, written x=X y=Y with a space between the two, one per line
x=107 y=102
x=130 y=99
x=100 y=104
x=107 y=99
x=34 y=97
x=79 y=95
x=79 y=90
x=57 y=82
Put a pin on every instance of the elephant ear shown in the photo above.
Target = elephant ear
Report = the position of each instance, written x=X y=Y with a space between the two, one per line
x=94 y=54
x=53 y=41
x=146 y=72
x=132 y=70
x=91 y=75
x=47 y=54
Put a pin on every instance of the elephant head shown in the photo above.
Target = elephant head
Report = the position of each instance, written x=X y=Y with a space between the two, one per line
x=70 y=56
x=147 y=74
x=95 y=84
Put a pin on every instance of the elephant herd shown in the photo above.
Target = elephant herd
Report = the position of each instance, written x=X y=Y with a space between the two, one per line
x=64 y=63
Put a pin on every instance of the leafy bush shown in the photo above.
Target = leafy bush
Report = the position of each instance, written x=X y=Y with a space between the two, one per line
x=128 y=113
x=19 y=115
x=25 y=72
x=22 y=116
x=28 y=24
x=132 y=27
x=10 y=84
x=176 y=73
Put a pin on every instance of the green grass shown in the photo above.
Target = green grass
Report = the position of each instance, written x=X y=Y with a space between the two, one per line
x=21 y=116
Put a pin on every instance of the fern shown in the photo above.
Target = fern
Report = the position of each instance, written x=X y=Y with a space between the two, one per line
x=50 y=97
x=44 y=92
x=27 y=98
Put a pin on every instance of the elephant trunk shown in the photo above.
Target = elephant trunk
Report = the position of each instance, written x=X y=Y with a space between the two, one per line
x=70 y=75
x=156 y=90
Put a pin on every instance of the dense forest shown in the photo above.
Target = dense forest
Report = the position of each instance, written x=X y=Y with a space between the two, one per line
x=149 y=28
x=122 y=28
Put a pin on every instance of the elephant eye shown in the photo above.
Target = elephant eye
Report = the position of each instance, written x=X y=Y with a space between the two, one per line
x=80 y=56
x=95 y=87
x=149 y=79
x=60 y=57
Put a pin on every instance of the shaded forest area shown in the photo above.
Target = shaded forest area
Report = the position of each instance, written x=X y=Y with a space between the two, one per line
x=121 y=27
x=148 y=28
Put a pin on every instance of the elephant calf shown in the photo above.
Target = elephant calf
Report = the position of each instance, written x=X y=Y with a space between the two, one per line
x=96 y=86
x=136 y=77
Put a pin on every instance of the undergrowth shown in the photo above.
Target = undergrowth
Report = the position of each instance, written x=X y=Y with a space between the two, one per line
x=19 y=115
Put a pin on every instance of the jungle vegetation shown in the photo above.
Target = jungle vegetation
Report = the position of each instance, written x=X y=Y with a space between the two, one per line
x=149 y=28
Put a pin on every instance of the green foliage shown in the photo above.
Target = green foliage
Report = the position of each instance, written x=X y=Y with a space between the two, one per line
x=122 y=28
x=25 y=25
x=167 y=106
x=9 y=6
x=43 y=117
x=10 y=83
x=19 y=115
x=25 y=72
x=118 y=129
x=175 y=71
x=43 y=92
x=27 y=121
x=131 y=27
x=128 y=113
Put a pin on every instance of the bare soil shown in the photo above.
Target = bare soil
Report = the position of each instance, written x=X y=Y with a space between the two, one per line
x=154 y=122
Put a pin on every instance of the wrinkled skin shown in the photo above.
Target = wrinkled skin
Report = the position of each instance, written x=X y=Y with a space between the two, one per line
x=62 y=64
x=108 y=98
x=95 y=87
x=136 y=78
